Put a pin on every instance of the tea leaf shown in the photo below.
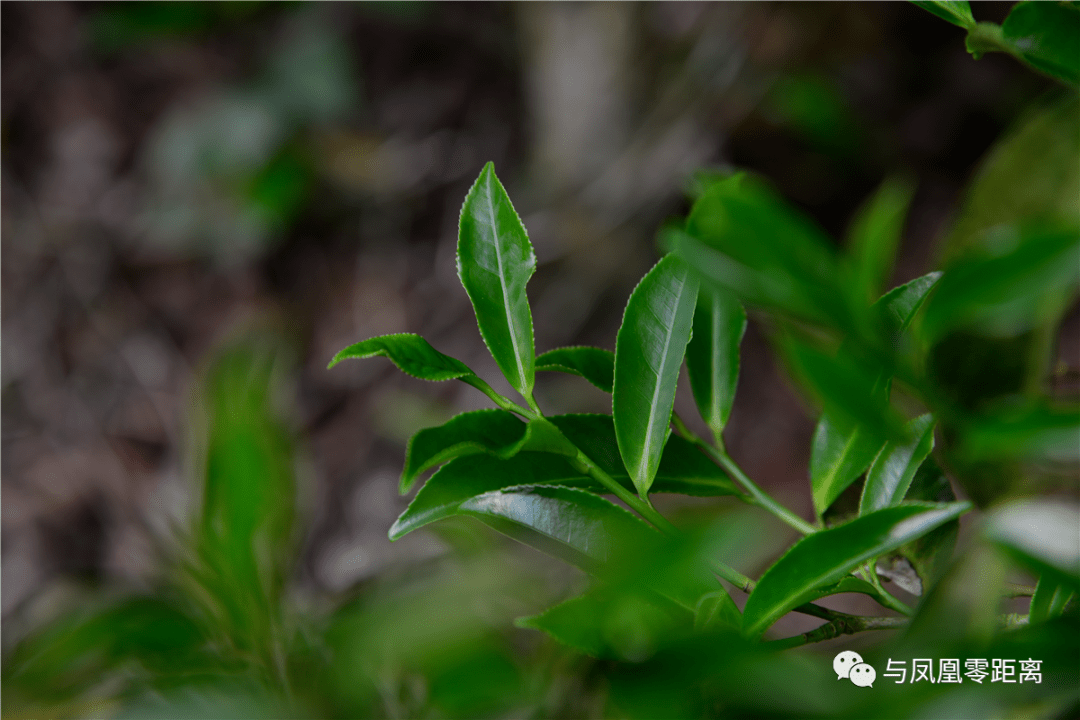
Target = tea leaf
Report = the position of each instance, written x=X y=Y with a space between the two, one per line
x=1051 y=597
x=958 y=12
x=1045 y=35
x=875 y=235
x=840 y=453
x=594 y=364
x=712 y=355
x=649 y=351
x=495 y=432
x=827 y=556
x=1041 y=432
x=1042 y=533
x=890 y=476
x=569 y=523
x=899 y=305
x=495 y=261
x=411 y=353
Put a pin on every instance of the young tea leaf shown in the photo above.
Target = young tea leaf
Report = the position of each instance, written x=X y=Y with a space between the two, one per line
x=875 y=235
x=840 y=453
x=495 y=261
x=712 y=355
x=958 y=12
x=899 y=305
x=890 y=476
x=1045 y=34
x=594 y=364
x=827 y=556
x=411 y=353
x=649 y=351
x=494 y=432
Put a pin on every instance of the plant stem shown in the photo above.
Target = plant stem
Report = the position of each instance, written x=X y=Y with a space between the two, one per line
x=503 y=402
x=643 y=508
x=884 y=597
x=842 y=624
x=760 y=497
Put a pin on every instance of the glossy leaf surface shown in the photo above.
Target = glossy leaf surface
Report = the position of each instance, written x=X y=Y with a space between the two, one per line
x=1045 y=34
x=825 y=557
x=958 y=12
x=840 y=452
x=890 y=476
x=712 y=355
x=1042 y=533
x=594 y=364
x=875 y=235
x=649 y=351
x=495 y=261
x=412 y=354
x=564 y=521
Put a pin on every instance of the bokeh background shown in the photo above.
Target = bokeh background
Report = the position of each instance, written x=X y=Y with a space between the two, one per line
x=179 y=175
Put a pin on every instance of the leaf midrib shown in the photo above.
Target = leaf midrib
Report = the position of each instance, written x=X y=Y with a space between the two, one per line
x=643 y=461
x=502 y=284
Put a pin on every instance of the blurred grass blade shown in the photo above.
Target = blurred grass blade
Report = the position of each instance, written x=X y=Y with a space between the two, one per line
x=649 y=351
x=875 y=235
x=958 y=12
x=825 y=557
x=1042 y=533
x=594 y=364
x=1051 y=597
x=890 y=476
x=245 y=532
x=712 y=355
x=840 y=452
x=495 y=261
x=495 y=432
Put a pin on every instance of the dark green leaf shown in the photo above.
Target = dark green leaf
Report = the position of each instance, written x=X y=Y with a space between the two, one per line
x=495 y=432
x=1051 y=597
x=1045 y=34
x=712 y=355
x=849 y=390
x=840 y=453
x=472 y=475
x=743 y=237
x=1042 y=533
x=495 y=261
x=890 y=476
x=875 y=235
x=594 y=364
x=899 y=305
x=1043 y=148
x=649 y=351
x=567 y=522
x=958 y=12
x=1040 y=432
x=827 y=556
x=1007 y=294
x=684 y=469
x=411 y=353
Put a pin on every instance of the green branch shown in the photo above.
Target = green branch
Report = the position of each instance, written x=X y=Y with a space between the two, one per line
x=841 y=624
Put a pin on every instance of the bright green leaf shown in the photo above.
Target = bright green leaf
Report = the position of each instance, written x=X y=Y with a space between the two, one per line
x=649 y=352
x=1051 y=597
x=495 y=261
x=827 y=556
x=958 y=12
x=1042 y=533
x=840 y=452
x=594 y=364
x=712 y=355
x=496 y=432
x=411 y=353
x=899 y=305
x=890 y=476
x=875 y=235
x=1045 y=34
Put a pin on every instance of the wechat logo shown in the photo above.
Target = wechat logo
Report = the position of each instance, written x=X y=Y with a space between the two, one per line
x=850 y=665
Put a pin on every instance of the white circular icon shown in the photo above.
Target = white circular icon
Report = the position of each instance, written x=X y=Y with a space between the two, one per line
x=863 y=675
x=843 y=663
